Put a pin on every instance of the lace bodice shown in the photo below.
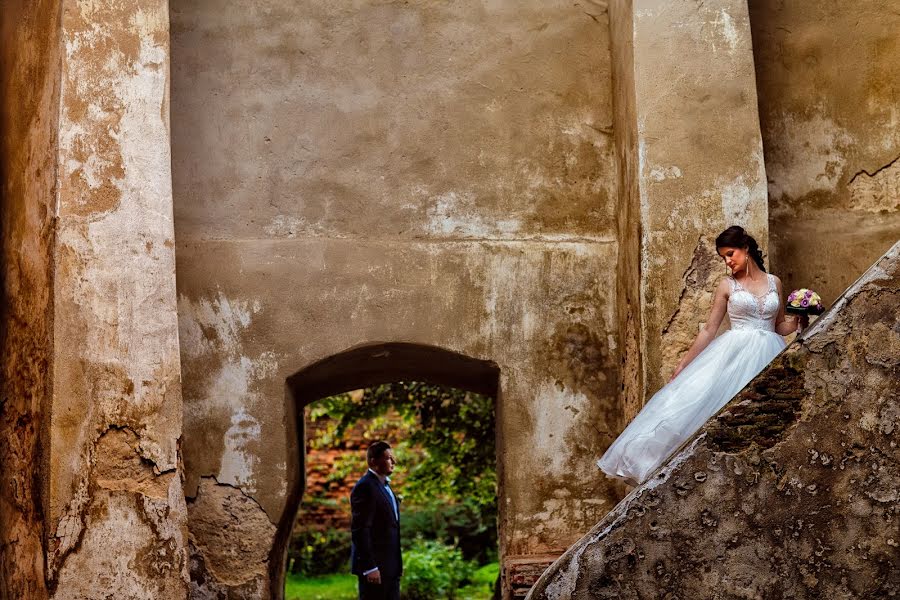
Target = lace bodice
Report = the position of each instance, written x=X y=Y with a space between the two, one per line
x=747 y=311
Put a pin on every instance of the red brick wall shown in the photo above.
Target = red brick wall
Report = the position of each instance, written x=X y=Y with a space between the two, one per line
x=326 y=502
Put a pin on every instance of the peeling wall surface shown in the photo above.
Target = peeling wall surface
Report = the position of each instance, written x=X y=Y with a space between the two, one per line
x=116 y=512
x=230 y=543
x=628 y=211
x=29 y=97
x=828 y=75
x=434 y=173
x=699 y=165
x=535 y=183
x=790 y=492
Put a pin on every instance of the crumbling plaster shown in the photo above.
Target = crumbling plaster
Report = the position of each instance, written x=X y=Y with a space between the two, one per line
x=791 y=491
x=555 y=392
x=439 y=174
x=113 y=478
x=29 y=96
x=694 y=140
x=828 y=75
x=436 y=174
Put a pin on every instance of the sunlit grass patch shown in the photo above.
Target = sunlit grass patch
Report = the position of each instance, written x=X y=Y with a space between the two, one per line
x=321 y=587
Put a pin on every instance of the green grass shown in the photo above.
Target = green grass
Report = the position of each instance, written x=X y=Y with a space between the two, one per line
x=487 y=574
x=343 y=587
x=323 y=587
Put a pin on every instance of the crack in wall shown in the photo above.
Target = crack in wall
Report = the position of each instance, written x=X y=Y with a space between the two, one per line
x=697 y=284
x=231 y=537
x=117 y=464
x=696 y=278
x=875 y=172
x=191 y=498
x=878 y=191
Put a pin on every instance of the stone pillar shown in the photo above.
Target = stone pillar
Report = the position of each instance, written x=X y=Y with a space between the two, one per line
x=116 y=510
x=691 y=164
x=829 y=114
x=628 y=231
x=29 y=101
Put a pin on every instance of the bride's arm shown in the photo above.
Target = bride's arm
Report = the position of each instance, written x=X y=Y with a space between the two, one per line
x=785 y=325
x=708 y=333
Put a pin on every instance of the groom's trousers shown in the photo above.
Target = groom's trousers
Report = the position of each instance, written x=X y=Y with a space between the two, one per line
x=386 y=590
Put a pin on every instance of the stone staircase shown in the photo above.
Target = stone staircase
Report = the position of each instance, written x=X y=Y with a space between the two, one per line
x=791 y=491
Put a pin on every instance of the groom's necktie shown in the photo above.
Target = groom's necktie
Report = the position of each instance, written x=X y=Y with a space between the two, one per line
x=392 y=498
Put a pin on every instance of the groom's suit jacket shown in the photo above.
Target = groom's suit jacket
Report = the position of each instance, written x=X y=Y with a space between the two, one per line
x=375 y=529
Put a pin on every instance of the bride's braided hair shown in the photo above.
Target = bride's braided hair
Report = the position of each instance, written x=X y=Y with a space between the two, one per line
x=736 y=237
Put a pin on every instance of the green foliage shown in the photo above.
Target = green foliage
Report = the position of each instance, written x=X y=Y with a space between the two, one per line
x=317 y=552
x=465 y=525
x=432 y=570
x=322 y=587
x=345 y=465
x=455 y=427
x=482 y=583
x=444 y=441
x=344 y=586
x=487 y=574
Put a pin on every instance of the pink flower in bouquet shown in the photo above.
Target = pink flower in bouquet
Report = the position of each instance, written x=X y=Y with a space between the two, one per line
x=804 y=301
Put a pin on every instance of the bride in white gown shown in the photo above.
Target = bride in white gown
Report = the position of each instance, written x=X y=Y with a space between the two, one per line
x=714 y=369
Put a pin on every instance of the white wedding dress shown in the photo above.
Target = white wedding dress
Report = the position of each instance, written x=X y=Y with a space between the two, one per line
x=703 y=387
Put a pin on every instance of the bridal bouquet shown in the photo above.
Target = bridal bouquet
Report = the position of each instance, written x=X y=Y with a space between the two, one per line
x=804 y=302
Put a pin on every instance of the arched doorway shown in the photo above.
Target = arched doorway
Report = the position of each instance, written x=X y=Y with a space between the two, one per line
x=356 y=368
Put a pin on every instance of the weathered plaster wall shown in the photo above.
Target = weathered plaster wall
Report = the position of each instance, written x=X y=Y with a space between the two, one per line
x=828 y=75
x=790 y=492
x=116 y=513
x=628 y=212
x=434 y=173
x=29 y=96
x=699 y=164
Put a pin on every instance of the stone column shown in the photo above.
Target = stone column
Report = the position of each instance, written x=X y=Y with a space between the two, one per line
x=691 y=163
x=29 y=101
x=116 y=510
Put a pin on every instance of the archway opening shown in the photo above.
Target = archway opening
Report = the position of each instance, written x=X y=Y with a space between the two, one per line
x=433 y=399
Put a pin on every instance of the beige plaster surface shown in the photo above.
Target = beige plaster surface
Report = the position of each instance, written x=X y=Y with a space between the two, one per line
x=115 y=514
x=699 y=164
x=557 y=370
x=442 y=174
x=791 y=491
x=434 y=120
x=828 y=75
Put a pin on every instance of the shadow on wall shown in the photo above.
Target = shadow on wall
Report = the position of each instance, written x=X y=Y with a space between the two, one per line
x=363 y=367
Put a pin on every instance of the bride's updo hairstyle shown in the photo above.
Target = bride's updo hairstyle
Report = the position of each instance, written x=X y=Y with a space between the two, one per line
x=736 y=237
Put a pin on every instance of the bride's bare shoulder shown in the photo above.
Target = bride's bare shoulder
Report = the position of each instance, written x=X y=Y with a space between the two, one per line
x=725 y=285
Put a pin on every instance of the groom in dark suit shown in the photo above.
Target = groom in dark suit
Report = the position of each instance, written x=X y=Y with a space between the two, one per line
x=375 y=528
